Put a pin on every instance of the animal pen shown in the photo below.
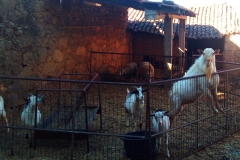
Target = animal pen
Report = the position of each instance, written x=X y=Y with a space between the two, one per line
x=84 y=118
x=108 y=64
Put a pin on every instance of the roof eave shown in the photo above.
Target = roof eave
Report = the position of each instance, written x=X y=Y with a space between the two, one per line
x=158 y=6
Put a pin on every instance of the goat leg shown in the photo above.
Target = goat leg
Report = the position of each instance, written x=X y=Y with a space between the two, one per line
x=209 y=95
x=159 y=143
x=214 y=94
x=133 y=123
x=167 y=151
x=26 y=136
x=127 y=120
x=140 y=124
x=5 y=117
x=172 y=114
x=175 y=108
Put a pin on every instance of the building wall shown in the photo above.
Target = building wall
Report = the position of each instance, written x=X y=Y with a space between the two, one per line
x=151 y=44
x=33 y=44
x=232 y=51
x=39 y=39
x=232 y=48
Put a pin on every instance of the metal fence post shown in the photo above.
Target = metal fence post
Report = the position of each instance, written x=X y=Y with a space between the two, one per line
x=148 y=124
x=225 y=102
x=73 y=119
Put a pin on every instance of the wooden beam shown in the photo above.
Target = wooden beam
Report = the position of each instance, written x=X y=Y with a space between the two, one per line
x=182 y=30
x=152 y=14
x=177 y=16
x=168 y=41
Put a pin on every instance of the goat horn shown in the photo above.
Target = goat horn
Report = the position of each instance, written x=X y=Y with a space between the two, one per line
x=134 y=91
x=41 y=95
x=26 y=99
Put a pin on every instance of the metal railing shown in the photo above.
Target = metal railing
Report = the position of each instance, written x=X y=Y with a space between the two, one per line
x=68 y=134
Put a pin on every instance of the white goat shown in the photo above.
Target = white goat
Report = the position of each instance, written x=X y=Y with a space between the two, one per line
x=134 y=105
x=28 y=114
x=188 y=90
x=161 y=123
x=2 y=111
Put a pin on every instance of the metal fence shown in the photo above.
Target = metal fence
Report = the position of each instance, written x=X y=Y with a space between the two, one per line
x=109 y=64
x=84 y=118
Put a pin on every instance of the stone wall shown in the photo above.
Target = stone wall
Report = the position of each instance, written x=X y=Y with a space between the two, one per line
x=232 y=50
x=39 y=38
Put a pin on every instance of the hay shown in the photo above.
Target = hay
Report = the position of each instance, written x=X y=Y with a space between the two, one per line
x=110 y=147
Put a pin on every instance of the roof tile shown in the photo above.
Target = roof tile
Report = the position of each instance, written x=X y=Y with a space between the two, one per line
x=210 y=22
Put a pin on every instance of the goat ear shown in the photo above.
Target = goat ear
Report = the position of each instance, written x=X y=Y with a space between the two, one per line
x=40 y=98
x=216 y=51
x=128 y=90
x=200 y=51
x=41 y=95
x=26 y=99
x=29 y=95
x=166 y=112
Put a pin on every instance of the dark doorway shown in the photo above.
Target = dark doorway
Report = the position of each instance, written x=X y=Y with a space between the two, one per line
x=194 y=44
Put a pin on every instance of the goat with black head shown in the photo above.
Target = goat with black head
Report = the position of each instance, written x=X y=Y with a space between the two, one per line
x=161 y=123
x=28 y=114
x=134 y=105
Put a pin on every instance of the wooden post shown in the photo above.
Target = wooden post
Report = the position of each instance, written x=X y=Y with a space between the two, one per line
x=168 y=37
x=182 y=30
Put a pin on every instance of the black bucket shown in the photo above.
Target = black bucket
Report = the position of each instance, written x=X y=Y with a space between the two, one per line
x=135 y=147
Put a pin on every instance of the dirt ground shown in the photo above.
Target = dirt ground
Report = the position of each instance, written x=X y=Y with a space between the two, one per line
x=114 y=123
x=226 y=149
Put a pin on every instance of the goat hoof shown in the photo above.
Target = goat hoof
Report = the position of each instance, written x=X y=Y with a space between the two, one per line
x=140 y=126
x=221 y=110
x=215 y=111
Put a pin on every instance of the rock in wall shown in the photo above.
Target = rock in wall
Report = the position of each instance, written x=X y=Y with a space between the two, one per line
x=40 y=38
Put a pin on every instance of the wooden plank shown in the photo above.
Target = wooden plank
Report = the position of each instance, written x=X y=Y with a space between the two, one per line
x=40 y=134
x=181 y=17
x=168 y=36
x=80 y=118
x=60 y=109
x=51 y=118
x=182 y=30
x=197 y=55
x=60 y=119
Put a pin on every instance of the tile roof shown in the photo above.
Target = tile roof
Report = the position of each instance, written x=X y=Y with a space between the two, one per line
x=143 y=5
x=210 y=22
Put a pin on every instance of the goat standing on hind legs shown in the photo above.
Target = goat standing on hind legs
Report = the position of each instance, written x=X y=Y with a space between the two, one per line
x=188 y=90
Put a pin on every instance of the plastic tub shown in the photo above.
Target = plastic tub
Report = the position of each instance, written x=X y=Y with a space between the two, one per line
x=135 y=147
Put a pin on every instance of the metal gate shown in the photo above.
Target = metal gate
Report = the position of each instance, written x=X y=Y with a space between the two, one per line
x=84 y=118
